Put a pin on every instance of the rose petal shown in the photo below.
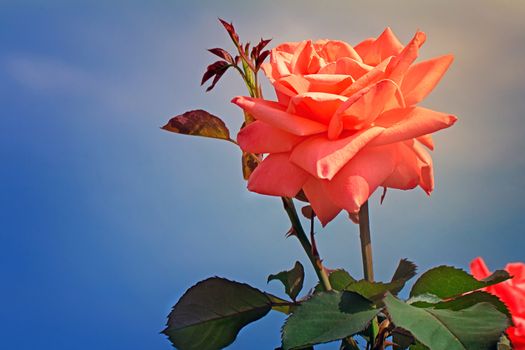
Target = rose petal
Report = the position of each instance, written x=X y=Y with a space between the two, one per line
x=261 y=137
x=360 y=177
x=346 y=66
x=323 y=207
x=289 y=47
x=426 y=179
x=364 y=47
x=368 y=79
x=351 y=67
x=323 y=157
x=363 y=108
x=400 y=64
x=317 y=106
x=406 y=123
x=273 y=114
x=427 y=141
x=479 y=269
x=517 y=270
x=277 y=176
x=305 y=59
x=407 y=171
x=332 y=50
x=289 y=86
x=421 y=78
x=329 y=83
x=280 y=62
x=374 y=51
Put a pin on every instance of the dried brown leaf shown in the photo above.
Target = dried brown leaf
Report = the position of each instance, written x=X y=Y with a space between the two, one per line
x=199 y=123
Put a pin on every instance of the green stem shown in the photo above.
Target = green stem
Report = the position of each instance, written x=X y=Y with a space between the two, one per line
x=366 y=243
x=251 y=80
x=366 y=255
x=303 y=239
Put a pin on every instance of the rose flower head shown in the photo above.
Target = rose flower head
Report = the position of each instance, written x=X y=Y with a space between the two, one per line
x=345 y=122
x=512 y=293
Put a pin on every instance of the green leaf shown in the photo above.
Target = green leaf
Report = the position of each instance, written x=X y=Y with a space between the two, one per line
x=404 y=272
x=281 y=305
x=339 y=279
x=472 y=299
x=199 y=123
x=291 y=279
x=424 y=300
x=373 y=291
x=477 y=327
x=447 y=282
x=418 y=346
x=325 y=317
x=211 y=313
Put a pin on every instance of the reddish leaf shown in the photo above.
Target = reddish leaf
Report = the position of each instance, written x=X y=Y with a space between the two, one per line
x=301 y=196
x=259 y=47
x=262 y=44
x=222 y=54
x=231 y=31
x=213 y=69
x=198 y=123
x=307 y=212
x=261 y=59
x=216 y=79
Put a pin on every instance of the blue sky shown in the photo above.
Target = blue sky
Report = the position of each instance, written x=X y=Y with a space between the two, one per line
x=105 y=219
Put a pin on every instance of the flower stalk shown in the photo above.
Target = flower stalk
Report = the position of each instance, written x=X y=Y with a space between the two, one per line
x=248 y=72
x=313 y=255
x=366 y=243
x=366 y=256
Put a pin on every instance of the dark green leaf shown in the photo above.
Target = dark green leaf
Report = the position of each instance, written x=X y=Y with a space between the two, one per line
x=375 y=291
x=281 y=305
x=459 y=303
x=198 y=123
x=418 y=346
x=404 y=272
x=477 y=327
x=291 y=279
x=339 y=279
x=471 y=299
x=211 y=313
x=325 y=317
x=447 y=282
x=424 y=300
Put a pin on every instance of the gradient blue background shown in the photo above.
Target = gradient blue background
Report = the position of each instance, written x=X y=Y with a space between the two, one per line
x=105 y=219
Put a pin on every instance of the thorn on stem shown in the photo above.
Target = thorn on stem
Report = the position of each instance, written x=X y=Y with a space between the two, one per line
x=291 y=232
x=383 y=196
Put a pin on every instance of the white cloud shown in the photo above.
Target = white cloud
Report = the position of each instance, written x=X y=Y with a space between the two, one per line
x=45 y=74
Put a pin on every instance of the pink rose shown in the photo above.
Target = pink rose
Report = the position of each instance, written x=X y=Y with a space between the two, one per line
x=512 y=293
x=345 y=123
